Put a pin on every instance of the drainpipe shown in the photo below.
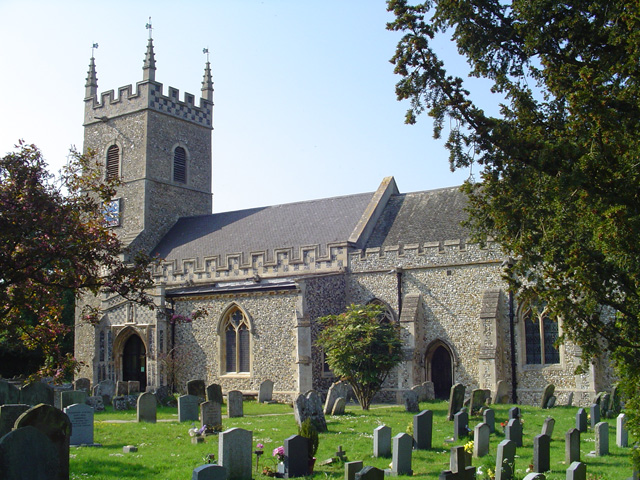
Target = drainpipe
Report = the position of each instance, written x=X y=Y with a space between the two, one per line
x=507 y=264
x=399 y=279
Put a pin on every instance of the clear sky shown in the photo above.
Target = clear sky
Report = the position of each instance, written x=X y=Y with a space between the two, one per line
x=304 y=96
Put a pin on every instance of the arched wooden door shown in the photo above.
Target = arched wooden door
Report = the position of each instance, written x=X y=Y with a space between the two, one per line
x=134 y=361
x=440 y=369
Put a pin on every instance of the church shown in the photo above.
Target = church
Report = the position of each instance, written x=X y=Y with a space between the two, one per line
x=260 y=278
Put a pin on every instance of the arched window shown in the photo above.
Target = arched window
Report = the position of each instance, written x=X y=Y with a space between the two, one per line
x=540 y=332
x=237 y=342
x=113 y=162
x=387 y=315
x=180 y=165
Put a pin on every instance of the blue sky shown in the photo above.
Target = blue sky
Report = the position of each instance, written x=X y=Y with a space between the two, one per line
x=304 y=95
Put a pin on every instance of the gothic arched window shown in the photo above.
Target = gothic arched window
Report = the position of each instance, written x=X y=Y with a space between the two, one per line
x=237 y=342
x=387 y=315
x=180 y=165
x=113 y=162
x=541 y=333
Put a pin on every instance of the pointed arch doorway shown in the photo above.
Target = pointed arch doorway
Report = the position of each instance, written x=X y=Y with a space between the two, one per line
x=439 y=363
x=134 y=361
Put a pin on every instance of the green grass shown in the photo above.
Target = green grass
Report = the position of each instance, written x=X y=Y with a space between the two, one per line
x=165 y=450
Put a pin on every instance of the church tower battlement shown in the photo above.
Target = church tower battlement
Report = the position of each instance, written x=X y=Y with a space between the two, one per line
x=158 y=146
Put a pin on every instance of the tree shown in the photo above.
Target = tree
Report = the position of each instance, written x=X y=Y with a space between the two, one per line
x=560 y=162
x=54 y=239
x=361 y=347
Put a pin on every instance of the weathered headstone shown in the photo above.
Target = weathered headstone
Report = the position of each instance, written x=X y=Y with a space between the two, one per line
x=513 y=431
x=122 y=388
x=420 y=391
x=622 y=434
x=614 y=402
x=71 y=397
x=36 y=393
x=459 y=466
x=547 y=426
x=147 y=408
x=133 y=387
x=577 y=471
x=429 y=391
x=489 y=417
x=336 y=390
x=541 y=453
x=9 y=394
x=188 y=408
x=81 y=418
x=210 y=414
x=351 y=468
x=422 y=430
x=96 y=402
x=594 y=412
x=196 y=388
x=535 y=476
x=296 y=456
x=570 y=399
x=581 y=420
x=106 y=389
x=382 y=441
x=401 y=455
x=120 y=403
x=370 y=473
x=27 y=453
x=547 y=393
x=572 y=446
x=481 y=435
x=476 y=402
x=604 y=406
x=514 y=412
x=456 y=400
x=460 y=425
x=214 y=393
x=339 y=406
x=9 y=414
x=234 y=453
x=265 y=391
x=310 y=406
x=209 y=472
x=505 y=460
x=602 y=438
x=82 y=383
x=235 y=405
x=410 y=399
x=502 y=392
x=56 y=426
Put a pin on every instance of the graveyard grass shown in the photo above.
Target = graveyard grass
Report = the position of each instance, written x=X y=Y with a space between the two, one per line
x=165 y=450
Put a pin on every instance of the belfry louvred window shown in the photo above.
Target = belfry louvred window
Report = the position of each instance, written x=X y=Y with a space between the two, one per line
x=180 y=165
x=113 y=162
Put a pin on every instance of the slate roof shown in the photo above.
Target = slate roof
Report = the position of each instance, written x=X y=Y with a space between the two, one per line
x=329 y=220
x=420 y=217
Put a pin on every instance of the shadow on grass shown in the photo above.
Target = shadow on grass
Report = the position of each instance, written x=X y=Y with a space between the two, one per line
x=112 y=468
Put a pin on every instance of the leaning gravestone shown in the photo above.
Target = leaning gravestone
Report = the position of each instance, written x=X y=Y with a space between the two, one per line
x=339 y=406
x=310 y=406
x=188 y=408
x=502 y=392
x=81 y=417
x=82 y=384
x=476 y=402
x=56 y=426
x=235 y=406
x=265 y=391
x=36 y=393
x=336 y=390
x=9 y=414
x=382 y=441
x=214 y=393
x=422 y=430
x=410 y=399
x=147 y=408
x=547 y=393
x=456 y=400
x=548 y=425
x=196 y=387
x=8 y=393
x=296 y=456
x=234 y=453
x=27 y=453
x=209 y=472
x=210 y=414
x=71 y=397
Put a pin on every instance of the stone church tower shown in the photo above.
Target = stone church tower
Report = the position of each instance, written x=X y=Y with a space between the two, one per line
x=159 y=146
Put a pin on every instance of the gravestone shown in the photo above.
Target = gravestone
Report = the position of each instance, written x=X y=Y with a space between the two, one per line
x=214 y=393
x=505 y=460
x=541 y=453
x=535 y=476
x=96 y=402
x=235 y=406
x=133 y=387
x=513 y=431
x=339 y=406
x=56 y=426
x=71 y=397
x=106 y=389
x=456 y=400
x=188 y=408
x=310 y=406
x=147 y=408
x=82 y=383
x=410 y=400
x=594 y=411
x=581 y=420
x=570 y=399
x=622 y=434
x=265 y=391
x=210 y=414
x=27 y=453
x=459 y=466
x=602 y=439
x=547 y=426
x=36 y=393
x=422 y=430
x=502 y=392
x=401 y=455
x=9 y=414
x=481 y=435
x=614 y=402
x=122 y=388
x=296 y=456
x=489 y=417
x=234 y=453
x=370 y=473
x=81 y=418
x=9 y=394
x=336 y=390
x=514 y=412
x=476 y=402
x=547 y=393
x=382 y=441
x=196 y=388
x=429 y=391
x=572 y=446
x=351 y=468
x=420 y=391
x=460 y=425
x=120 y=403
x=604 y=406
x=209 y=472
x=577 y=471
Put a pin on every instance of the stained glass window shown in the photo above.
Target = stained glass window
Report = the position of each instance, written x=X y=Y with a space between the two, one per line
x=237 y=338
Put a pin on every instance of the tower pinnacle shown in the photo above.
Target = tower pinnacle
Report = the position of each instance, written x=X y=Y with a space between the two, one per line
x=207 y=81
x=91 y=87
x=149 y=66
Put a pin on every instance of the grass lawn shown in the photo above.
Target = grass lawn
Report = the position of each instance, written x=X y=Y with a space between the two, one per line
x=165 y=450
